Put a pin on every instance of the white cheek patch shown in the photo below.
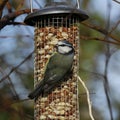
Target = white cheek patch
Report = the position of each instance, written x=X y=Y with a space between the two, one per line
x=64 y=49
x=60 y=43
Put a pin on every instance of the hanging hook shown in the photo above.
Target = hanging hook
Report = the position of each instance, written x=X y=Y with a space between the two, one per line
x=78 y=4
x=31 y=6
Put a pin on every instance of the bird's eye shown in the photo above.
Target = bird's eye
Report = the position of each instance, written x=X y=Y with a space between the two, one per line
x=63 y=45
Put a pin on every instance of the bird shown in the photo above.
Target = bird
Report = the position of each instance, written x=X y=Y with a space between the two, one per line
x=58 y=67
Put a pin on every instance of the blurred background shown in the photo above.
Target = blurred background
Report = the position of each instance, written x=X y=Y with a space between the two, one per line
x=99 y=59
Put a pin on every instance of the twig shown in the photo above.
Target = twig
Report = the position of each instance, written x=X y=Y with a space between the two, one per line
x=11 y=16
x=38 y=3
x=21 y=36
x=11 y=84
x=101 y=30
x=15 y=23
x=14 y=68
x=98 y=39
x=113 y=28
x=9 y=7
x=88 y=98
x=2 y=4
x=19 y=101
x=91 y=72
x=20 y=4
x=116 y=1
x=108 y=55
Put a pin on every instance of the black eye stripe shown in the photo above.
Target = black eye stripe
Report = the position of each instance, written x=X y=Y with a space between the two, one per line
x=62 y=45
x=65 y=45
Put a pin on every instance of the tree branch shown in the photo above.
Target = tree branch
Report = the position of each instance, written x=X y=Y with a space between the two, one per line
x=11 y=16
x=14 y=93
x=21 y=4
x=108 y=55
x=14 y=68
x=2 y=4
x=114 y=27
x=9 y=7
x=98 y=39
x=116 y=1
x=101 y=30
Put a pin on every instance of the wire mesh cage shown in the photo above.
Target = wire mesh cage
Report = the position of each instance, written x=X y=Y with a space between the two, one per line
x=51 y=27
x=62 y=102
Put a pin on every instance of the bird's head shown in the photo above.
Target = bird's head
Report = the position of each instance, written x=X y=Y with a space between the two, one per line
x=64 y=47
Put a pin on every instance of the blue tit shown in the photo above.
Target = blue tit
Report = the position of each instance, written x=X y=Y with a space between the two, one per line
x=58 y=67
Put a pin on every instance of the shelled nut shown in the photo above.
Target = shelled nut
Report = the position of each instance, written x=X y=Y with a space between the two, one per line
x=62 y=100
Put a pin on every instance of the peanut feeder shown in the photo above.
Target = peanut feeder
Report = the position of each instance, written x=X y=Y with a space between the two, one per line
x=52 y=24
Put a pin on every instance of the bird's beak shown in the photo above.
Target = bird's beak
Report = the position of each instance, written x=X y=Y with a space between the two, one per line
x=56 y=45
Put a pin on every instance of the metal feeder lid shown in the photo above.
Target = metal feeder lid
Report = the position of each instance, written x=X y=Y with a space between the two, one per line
x=55 y=9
